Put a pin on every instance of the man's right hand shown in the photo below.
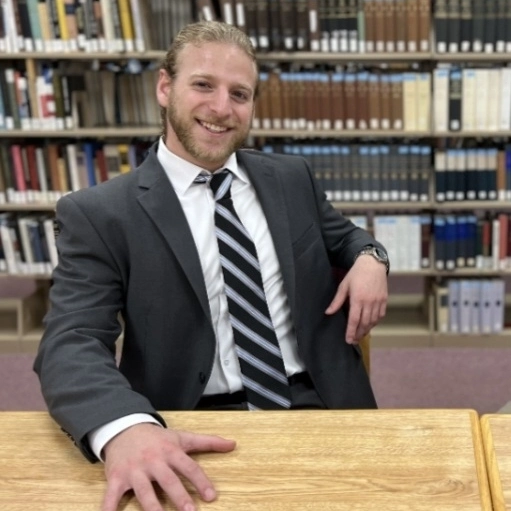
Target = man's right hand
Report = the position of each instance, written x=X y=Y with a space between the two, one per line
x=146 y=453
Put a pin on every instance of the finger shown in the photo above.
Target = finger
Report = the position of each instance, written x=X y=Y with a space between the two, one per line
x=192 y=471
x=146 y=496
x=112 y=497
x=192 y=442
x=337 y=302
x=353 y=324
x=174 y=488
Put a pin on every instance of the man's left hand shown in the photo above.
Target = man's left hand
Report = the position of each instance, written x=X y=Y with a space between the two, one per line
x=366 y=286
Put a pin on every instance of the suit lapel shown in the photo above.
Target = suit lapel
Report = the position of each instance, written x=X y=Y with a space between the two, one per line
x=268 y=187
x=161 y=203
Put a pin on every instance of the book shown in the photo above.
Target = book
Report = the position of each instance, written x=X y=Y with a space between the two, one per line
x=454 y=100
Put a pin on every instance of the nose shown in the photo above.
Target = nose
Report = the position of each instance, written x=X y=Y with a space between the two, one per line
x=221 y=102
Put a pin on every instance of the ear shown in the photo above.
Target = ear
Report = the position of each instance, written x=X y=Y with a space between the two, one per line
x=163 y=87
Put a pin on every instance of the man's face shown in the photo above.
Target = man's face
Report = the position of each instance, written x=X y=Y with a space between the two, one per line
x=210 y=103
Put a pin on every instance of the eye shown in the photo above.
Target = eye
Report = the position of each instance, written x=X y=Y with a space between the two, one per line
x=241 y=95
x=202 y=84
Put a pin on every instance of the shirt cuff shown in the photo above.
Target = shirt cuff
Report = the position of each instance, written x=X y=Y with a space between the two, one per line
x=99 y=437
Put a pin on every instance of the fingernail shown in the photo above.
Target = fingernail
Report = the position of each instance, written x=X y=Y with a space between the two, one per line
x=209 y=494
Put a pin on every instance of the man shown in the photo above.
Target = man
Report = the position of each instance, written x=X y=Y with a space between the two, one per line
x=145 y=245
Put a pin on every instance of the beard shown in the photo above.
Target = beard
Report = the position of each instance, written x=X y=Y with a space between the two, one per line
x=183 y=128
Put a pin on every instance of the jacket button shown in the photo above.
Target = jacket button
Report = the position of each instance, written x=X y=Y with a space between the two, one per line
x=202 y=378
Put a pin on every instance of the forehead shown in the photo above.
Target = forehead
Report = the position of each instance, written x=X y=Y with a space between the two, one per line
x=220 y=60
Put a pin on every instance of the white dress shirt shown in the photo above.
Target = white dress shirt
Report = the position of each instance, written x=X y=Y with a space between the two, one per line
x=199 y=206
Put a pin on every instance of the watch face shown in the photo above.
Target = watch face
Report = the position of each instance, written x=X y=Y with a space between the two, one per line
x=381 y=254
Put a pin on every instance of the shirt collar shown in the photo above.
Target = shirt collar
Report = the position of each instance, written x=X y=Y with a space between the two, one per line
x=181 y=173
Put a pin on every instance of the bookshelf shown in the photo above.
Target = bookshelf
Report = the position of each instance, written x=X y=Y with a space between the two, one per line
x=411 y=318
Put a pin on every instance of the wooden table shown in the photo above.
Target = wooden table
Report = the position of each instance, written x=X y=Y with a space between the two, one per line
x=384 y=460
x=496 y=430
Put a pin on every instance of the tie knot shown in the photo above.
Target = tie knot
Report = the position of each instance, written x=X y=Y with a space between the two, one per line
x=221 y=184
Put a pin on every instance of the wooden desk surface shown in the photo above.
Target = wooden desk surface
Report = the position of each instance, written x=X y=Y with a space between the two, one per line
x=384 y=460
x=496 y=430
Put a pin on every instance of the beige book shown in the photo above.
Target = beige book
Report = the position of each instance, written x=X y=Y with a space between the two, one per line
x=410 y=100
x=441 y=100
x=423 y=102
x=482 y=86
x=468 y=100
x=494 y=103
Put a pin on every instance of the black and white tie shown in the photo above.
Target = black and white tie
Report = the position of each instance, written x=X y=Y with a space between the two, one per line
x=262 y=368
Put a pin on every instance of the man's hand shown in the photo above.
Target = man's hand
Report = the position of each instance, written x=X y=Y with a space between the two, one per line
x=146 y=453
x=366 y=286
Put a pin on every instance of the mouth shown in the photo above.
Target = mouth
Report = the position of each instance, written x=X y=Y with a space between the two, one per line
x=213 y=128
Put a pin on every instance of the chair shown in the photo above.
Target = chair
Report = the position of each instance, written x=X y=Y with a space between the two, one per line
x=365 y=346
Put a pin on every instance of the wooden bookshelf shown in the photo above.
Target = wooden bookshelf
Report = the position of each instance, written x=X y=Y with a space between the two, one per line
x=408 y=323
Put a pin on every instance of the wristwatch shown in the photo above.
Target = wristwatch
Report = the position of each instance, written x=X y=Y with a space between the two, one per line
x=379 y=254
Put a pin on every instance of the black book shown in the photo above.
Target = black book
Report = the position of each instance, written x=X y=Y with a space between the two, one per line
x=471 y=175
x=251 y=21
x=439 y=228
x=450 y=175
x=302 y=42
x=355 y=174
x=465 y=25
x=454 y=100
x=403 y=172
x=490 y=26
x=394 y=172
x=25 y=23
x=414 y=166
x=277 y=24
x=471 y=241
x=500 y=26
x=424 y=172
x=345 y=172
x=364 y=165
x=478 y=25
x=384 y=172
x=374 y=160
x=454 y=21
x=441 y=26
x=450 y=242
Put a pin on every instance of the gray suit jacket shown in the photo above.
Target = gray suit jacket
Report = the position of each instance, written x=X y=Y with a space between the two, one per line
x=125 y=247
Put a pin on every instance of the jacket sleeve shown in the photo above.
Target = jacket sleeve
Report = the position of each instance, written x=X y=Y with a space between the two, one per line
x=76 y=362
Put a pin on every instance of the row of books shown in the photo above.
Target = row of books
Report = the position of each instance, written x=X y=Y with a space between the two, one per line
x=344 y=100
x=90 y=25
x=472 y=99
x=442 y=241
x=46 y=98
x=404 y=172
x=469 y=241
x=472 y=26
x=27 y=244
x=322 y=25
x=31 y=173
x=367 y=173
x=43 y=171
x=469 y=306
x=473 y=174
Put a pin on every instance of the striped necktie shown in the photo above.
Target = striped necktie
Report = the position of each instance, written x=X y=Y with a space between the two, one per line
x=262 y=368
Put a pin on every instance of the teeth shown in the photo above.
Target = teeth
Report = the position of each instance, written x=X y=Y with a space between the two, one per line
x=214 y=127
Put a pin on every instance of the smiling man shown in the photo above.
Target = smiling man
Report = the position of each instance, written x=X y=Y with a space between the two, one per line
x=221 y=263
